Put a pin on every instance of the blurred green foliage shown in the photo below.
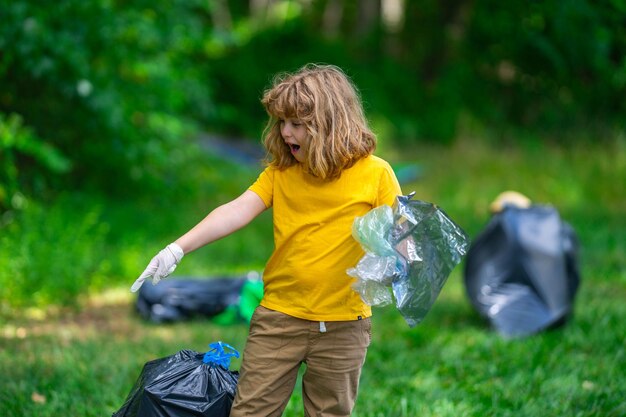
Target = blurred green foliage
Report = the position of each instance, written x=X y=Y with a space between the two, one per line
x=52 y=255
x=105 y=100
x=111 y=85
x=117 y=89
x=18 y=143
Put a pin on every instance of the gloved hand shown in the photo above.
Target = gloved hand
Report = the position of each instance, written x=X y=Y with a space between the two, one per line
x=163 y=264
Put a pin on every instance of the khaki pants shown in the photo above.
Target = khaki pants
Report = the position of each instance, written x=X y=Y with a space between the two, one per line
x=278 y=344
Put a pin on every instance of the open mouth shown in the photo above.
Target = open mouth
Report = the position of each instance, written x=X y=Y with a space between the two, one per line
x=294 y=148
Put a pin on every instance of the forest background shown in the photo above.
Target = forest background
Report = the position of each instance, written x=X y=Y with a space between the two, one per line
x=105 y=100
x=122 y=122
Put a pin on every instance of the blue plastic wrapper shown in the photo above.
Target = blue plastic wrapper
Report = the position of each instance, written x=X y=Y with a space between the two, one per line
x=413 y=252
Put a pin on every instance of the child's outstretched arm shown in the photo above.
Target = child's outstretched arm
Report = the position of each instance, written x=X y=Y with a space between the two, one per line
x=219 y=223
x=222 y=221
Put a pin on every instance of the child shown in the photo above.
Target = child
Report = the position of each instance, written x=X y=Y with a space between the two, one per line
x=321 y=174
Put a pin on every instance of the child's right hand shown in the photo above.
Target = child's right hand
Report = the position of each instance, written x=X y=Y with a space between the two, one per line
x=162 y=265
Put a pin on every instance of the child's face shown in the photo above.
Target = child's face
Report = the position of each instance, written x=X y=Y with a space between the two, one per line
x=294 y=134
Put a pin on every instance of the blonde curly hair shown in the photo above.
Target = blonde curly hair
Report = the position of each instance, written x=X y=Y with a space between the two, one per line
x=326 y=101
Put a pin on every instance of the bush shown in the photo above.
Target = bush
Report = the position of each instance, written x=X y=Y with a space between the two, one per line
x=111 y=85
x=20 y=148
x=50 y=256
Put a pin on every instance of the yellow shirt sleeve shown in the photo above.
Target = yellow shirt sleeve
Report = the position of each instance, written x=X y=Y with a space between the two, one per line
x=264 y=186
x=388 y=188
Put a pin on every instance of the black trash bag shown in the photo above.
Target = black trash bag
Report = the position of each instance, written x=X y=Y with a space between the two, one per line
x=186 y=384
x=521 y=272
x=178 y=299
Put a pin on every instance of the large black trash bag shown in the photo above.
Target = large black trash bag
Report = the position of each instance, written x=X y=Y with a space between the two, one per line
x=186 y=384
x=521 y=272
x=178 y=299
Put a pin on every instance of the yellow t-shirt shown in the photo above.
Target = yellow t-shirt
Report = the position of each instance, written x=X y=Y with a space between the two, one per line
x=313 y=245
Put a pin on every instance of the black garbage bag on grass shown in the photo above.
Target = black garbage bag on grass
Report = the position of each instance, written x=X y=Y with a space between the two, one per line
x=186 y=384
x=521 y=271
x=181 y=298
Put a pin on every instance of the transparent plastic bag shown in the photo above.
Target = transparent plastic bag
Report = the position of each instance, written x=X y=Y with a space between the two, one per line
x=426 y=246
x=374 y=275
x=372 y=231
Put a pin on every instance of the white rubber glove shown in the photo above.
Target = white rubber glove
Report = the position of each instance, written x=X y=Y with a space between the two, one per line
x=163 y=264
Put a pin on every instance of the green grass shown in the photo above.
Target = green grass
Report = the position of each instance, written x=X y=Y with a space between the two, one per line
x=83 y=363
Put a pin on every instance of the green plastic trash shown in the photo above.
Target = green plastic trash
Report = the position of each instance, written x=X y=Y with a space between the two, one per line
x=251 y=295
x=249 y=298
